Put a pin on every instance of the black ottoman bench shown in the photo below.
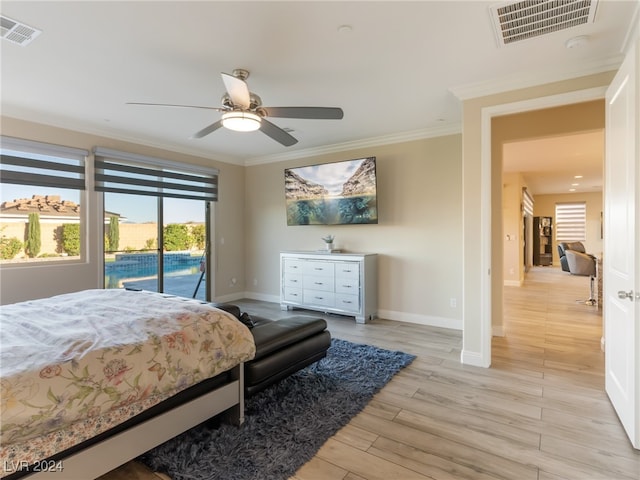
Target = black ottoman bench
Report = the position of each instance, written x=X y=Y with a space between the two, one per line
x=282 y=346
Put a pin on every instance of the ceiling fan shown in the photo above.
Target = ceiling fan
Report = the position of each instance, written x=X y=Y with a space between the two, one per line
x=242 y=111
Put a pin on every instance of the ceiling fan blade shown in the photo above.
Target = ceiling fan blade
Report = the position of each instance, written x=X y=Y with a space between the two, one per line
x=207 y=130
x=318 y=113
x=174 y=105
x=278 y=134
x=237 y=90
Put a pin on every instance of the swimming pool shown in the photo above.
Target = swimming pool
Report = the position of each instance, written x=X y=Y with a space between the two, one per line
x=144 y=266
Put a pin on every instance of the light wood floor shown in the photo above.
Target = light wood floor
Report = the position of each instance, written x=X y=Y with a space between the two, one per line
x=539 y=413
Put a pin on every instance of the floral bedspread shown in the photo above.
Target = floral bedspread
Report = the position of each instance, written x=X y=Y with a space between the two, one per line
x=103 y=355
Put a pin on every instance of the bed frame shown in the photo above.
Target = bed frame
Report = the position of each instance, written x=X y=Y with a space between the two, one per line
x=116 y=450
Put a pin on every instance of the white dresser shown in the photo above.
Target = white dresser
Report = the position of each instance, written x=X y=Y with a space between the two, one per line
x=344 y=283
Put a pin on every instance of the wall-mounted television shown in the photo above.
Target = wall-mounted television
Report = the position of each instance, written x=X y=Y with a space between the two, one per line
x=332 y=193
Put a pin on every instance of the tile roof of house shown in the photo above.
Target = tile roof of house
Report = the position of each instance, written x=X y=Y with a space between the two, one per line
x=50 y=205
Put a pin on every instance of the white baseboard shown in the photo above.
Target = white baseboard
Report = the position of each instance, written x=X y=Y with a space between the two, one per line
x=263 y=297
x=231 y=297
x=429 y=320
x=473 y=358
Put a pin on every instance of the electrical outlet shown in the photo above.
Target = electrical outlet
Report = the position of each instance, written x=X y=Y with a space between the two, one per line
x=453 y=303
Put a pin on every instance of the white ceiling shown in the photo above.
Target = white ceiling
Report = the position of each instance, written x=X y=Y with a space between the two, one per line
x=393 y=71
x=550 y=165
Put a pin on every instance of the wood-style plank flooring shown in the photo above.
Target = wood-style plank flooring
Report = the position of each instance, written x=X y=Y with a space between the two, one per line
x=539 y=413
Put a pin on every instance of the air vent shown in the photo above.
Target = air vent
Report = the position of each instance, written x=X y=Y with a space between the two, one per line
x=17 y=32
x=531 y=18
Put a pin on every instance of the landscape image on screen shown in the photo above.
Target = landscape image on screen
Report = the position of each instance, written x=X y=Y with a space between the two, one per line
x=332 y=193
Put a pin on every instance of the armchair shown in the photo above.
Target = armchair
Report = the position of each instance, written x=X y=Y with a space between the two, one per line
x=563 y=247
x=580 y=263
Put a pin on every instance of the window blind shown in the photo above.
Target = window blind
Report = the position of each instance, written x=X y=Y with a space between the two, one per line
x=25 y=162
x=571 y=222
x=527 y=202
x=122 y=172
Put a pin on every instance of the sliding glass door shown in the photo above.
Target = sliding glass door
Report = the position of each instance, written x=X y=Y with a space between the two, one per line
x=135 y=227
x=185 y=239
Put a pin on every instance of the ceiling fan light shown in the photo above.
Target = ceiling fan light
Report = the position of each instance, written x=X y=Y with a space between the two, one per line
x=241 y=121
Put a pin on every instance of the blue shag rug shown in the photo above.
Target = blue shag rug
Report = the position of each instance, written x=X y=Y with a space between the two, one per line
x=286 y=424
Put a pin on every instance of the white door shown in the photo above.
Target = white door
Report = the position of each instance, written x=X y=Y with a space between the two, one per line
x=621 y=249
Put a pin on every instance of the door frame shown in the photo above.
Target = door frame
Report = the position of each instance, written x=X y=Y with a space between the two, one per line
x=486 y=164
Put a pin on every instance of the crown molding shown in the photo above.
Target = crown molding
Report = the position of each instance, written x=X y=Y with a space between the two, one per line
x=112 y=134
x=440 y=131
x=522 y=80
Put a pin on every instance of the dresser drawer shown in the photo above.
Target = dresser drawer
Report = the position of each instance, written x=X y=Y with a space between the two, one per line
x=292 y=280
x=347 y=285
x=317 y=268
x=291 y=294
x=315 y=282
x=318 y=298
x=292 y=265
x=347 y=270
x=349 y=303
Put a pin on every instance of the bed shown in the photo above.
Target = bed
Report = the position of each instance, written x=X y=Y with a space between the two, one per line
x=92 y=379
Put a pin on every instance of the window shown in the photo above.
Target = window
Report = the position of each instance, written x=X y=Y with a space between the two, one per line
x=156 y=222
x=571 y=222
x=40 y=202
x=527 y=202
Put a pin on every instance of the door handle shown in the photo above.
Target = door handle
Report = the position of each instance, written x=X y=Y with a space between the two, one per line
x=622 y=295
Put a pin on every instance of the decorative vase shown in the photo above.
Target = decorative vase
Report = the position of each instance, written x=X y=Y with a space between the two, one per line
x=329 y=246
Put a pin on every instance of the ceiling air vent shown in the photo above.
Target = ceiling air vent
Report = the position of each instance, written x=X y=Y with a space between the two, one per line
x=531 y=18
x=17 y=32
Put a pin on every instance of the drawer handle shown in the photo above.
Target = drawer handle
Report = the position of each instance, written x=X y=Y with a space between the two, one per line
x=319 y=298
x=347 y=301
x=293 y=281
x=318 y=283
x=294 y=294
x=347 y=286
x=347 y=271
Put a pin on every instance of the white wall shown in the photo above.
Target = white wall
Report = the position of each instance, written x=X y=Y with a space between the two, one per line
x=512 y=218
x=418 y=237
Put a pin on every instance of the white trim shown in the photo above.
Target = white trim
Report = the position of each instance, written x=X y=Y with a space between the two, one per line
x=263 y=297
x=449 y=129
x=521 y=80
x=472 y=358
x=429 y=320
